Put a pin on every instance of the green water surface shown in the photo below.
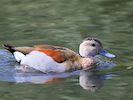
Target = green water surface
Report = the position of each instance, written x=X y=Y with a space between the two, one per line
x=66 y=23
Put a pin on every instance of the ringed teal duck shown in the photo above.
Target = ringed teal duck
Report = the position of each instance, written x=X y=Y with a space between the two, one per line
x=49 y=58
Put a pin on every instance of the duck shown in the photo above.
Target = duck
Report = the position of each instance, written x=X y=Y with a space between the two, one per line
x=49 y=58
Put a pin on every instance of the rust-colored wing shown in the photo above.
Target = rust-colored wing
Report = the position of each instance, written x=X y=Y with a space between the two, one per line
x=58 y=56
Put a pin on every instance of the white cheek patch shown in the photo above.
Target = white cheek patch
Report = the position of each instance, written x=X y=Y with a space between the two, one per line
x=42 y=62
x=85 y=51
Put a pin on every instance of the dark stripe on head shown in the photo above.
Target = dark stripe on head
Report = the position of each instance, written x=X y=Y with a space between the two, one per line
x=94 y=39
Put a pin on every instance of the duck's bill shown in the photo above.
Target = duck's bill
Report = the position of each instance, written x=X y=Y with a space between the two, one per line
x=106 y=54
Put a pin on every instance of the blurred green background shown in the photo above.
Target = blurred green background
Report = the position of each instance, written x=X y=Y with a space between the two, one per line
x=66 y=23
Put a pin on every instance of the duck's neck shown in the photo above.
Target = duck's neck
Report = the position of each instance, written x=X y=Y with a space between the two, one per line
x=78 y=63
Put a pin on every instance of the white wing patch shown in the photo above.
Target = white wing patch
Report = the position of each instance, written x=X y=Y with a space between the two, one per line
x=42 y=62
x=18 y=56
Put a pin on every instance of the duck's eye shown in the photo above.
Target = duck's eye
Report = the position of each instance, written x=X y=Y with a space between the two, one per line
x=93 y=45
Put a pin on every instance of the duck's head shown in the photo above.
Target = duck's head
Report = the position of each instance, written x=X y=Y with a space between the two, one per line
x=92 y=47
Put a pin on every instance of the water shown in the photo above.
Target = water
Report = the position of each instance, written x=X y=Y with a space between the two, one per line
x=66 y=23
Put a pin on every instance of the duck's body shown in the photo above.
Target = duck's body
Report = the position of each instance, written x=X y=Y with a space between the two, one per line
x=47 y=58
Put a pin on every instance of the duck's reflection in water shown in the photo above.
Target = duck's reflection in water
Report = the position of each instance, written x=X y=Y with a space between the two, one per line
x=91 y=81
x=41 y=78
x=88 y=79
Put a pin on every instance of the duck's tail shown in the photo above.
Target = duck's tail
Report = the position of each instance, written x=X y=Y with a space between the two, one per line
x=9 y=48
x=18 y=55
